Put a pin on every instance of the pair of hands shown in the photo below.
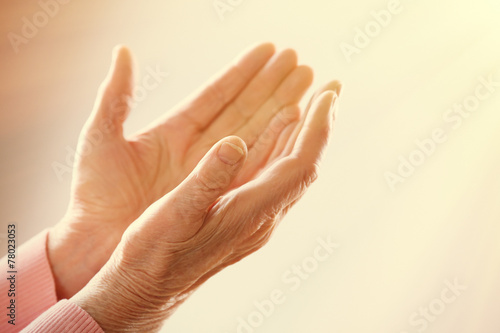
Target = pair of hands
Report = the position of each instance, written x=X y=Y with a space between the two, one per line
x=153 y=216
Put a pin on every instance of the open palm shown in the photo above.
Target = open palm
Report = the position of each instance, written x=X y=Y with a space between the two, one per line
x=195 y=230
x=116 y=178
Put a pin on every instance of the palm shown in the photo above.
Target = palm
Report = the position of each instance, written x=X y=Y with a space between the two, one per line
x=187 y=243
x=255 y=99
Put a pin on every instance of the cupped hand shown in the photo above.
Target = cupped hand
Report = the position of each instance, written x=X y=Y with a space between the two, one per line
x=116 y=178
x=206 y=224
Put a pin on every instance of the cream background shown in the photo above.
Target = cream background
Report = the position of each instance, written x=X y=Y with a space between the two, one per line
x=396 y=248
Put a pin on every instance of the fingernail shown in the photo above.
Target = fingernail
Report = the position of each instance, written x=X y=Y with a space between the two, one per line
x=230 y=153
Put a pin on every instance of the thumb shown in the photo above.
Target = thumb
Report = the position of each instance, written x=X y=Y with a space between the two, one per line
x=187 y=205
x=115 y=95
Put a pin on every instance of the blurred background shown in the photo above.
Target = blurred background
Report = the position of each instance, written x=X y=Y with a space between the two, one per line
x=416 y=221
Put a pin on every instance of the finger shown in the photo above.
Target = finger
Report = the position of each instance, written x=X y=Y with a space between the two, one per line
x=255 y=94
x=115 y=95
x=259 y=153
x=315 y=132
x=282 y=141
x=210 y=100
x=286 y=181
x=290 y=92
x=185 y=207
x=335 y=86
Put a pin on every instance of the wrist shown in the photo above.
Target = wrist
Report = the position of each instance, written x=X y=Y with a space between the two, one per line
x=76 y=252
x=120 y=303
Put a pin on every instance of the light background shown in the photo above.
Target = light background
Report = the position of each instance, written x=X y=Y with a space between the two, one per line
x=397 y=248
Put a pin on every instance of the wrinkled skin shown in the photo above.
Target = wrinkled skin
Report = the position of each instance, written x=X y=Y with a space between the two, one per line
x=178 y=220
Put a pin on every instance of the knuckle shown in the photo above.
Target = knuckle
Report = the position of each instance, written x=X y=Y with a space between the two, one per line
x=120 y=106
x=308 y=172
x=311 y=173
x=213 y=182
x=242 y=109
x=217 y=93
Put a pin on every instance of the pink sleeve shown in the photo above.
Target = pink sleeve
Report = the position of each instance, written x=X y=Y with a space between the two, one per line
x=35 y=295
x=64 y=317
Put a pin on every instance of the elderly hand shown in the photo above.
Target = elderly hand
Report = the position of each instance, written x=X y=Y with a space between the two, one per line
x=206 y=224
x=116 y=179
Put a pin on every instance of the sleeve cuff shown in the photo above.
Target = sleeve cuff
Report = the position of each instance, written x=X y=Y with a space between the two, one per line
x=36 y=288
x=37 y=309
x=64 y=317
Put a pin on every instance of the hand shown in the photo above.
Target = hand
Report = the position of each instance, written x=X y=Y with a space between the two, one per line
x=116 y=179
x=204 y=225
